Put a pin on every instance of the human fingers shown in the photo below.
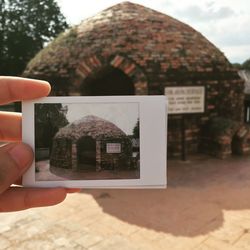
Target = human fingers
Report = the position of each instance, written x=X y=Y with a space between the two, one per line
x=18 y=198
x=10 y=126
x=15 y=158
x=17 y=88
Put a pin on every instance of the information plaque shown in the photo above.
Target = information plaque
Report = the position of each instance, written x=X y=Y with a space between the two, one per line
x=185 y=100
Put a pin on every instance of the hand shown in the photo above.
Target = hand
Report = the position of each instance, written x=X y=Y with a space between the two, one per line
x=16 y=157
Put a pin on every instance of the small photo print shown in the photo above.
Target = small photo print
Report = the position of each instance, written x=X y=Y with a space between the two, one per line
x=86 y=141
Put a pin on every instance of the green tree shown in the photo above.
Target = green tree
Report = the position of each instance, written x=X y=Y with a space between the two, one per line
x=25 y=27
x=49 y=118
x=136 y=130
x=246 y=64
x=237 y=65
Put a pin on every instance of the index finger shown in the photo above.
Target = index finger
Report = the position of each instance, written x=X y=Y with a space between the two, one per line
x=17 y=89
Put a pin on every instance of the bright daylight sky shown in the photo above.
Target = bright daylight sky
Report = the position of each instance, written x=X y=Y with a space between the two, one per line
x=226 y=23
x=123 y=115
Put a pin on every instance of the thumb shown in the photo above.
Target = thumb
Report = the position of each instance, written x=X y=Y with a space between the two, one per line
x=15 y=158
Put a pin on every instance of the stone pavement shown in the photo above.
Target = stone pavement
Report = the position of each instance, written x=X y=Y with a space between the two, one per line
x=205 y=207
x=45 y=172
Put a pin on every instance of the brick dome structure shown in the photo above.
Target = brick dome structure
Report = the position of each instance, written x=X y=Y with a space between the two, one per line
x=130 y=49
x=83 y=145
x=90 y=125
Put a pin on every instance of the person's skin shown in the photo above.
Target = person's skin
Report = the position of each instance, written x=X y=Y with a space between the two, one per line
x=16 y=157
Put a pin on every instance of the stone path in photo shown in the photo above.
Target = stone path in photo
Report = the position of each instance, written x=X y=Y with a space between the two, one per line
x=45 y=174
x=205 y=207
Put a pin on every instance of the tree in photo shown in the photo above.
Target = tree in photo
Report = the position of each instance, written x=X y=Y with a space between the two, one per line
x=246 y=65
x=26 y=26
x=136 y=130
x=237 y=66
x=49 y=118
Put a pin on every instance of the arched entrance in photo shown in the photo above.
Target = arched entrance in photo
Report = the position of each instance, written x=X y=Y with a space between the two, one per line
x=108 y=81
x=247 y=110
x=86 y=154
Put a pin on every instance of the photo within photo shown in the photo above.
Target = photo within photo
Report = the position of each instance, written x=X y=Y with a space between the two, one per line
x=81 y=141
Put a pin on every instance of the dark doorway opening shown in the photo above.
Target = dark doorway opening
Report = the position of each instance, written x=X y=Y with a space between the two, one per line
x=86 y=154
x=108 y=81
x=247 y=110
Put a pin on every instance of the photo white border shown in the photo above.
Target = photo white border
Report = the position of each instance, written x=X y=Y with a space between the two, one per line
x=153 y=142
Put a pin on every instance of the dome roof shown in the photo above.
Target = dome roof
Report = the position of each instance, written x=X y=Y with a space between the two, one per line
x=131 y=29
x=93 y=126
x=139 y=51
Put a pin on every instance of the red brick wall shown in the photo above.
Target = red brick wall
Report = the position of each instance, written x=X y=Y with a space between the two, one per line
x=156 y=51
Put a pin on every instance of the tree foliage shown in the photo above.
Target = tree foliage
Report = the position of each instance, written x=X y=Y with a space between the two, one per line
x=136 y=130
x=246 y=64
x=237 y=65
x=49 y=118
x=26 y=26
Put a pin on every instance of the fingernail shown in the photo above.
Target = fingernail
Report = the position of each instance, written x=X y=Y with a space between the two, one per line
x=21 y=154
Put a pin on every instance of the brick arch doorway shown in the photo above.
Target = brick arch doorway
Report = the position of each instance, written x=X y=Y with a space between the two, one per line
x=247 y=110
x=86 y=154
x=108 y=80
x=95 y=64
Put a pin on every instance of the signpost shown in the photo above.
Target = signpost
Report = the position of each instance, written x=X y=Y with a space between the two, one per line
x=185 y=100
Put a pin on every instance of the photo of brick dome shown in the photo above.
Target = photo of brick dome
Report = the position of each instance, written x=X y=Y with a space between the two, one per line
x=91 y=138
x=87 y=141
x=129 y=49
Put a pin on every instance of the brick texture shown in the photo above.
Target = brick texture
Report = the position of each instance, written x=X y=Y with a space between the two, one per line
x=155 y=51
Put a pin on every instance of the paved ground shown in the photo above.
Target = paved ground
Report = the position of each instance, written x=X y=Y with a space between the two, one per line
x=206 y=206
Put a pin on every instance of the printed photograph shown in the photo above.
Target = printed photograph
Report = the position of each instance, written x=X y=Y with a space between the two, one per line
x=81 y=141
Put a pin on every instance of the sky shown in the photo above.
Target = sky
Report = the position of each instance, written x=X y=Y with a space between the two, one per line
x=226 y=23
x=123 y=115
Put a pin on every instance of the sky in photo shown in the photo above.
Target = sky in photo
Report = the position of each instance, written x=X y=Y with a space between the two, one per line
x=123 y=115
x=225 y=23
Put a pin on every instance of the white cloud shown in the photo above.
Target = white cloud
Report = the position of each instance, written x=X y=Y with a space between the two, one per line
x=77 y=10
x=205 y=14
x=225 y=23
x=237 y=53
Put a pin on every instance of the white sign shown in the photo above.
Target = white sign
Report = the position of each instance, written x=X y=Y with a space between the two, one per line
x=113 y=148
x=183 y=100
